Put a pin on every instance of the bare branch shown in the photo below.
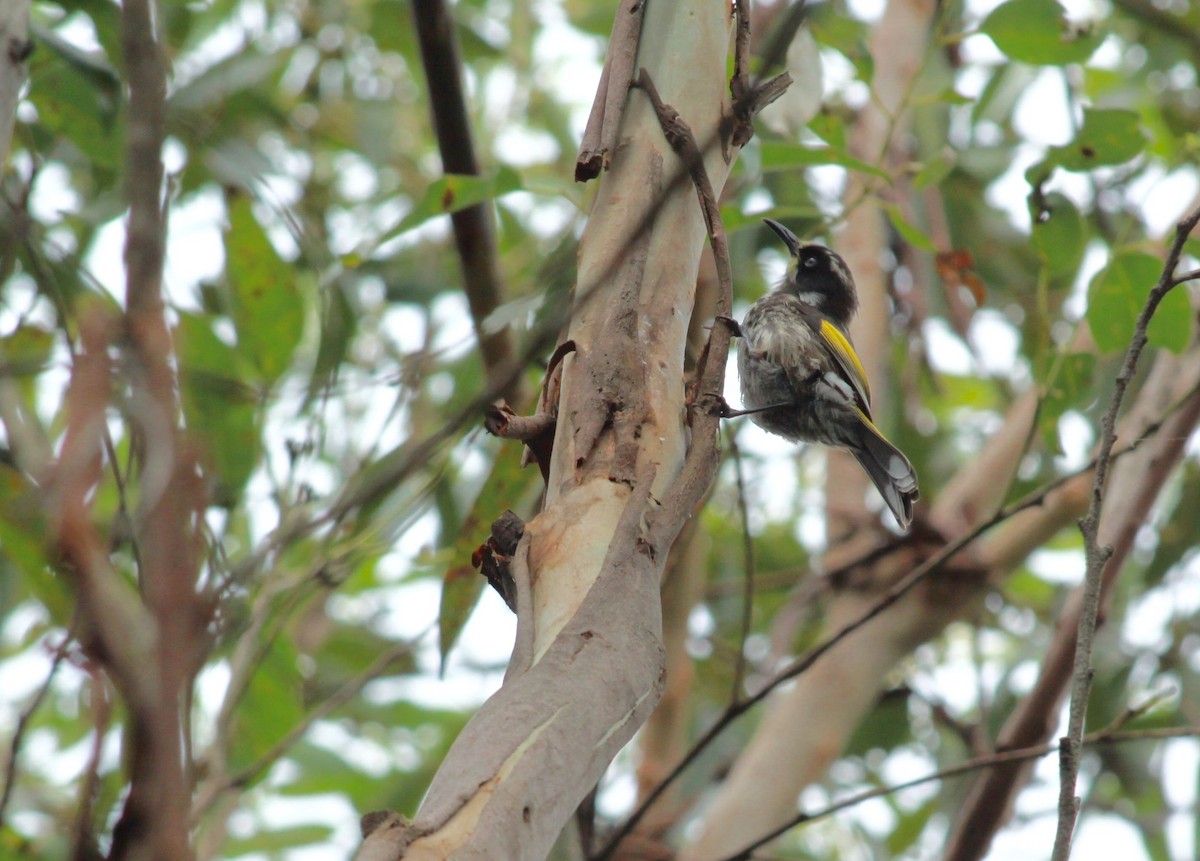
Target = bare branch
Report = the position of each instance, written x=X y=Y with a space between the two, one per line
x=700 y=466
x=154 y=819
x=989 y=801
x=83 y=837
x=739 y=667
x=620 y=442
x=15 y=48
x=991 y=760
x=1185 y=277
x=501 y=421
x=600 y=135
x=18 y=736
x=1098 y=556
x=473 y=233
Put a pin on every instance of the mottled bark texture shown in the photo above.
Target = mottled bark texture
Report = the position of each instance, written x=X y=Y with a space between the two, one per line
x=588 y=668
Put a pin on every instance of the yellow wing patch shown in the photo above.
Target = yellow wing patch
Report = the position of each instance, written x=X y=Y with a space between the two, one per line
x=843 y=351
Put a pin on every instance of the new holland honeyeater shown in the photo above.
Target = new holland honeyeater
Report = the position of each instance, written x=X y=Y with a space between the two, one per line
x=801 y=378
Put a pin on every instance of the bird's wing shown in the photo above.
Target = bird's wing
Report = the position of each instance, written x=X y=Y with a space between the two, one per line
x=838 y=346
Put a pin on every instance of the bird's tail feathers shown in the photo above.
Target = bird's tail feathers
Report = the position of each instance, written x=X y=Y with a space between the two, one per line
x=888 y=469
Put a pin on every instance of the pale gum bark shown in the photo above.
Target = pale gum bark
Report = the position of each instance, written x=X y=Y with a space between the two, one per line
x=501 y=793
x=699 y=92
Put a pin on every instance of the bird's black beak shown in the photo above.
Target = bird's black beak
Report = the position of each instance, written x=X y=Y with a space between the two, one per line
x=789 y=238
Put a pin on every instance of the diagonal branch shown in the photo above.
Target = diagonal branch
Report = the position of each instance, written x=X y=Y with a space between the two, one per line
x=474 y=236
x=27 y=713
x=979 y=763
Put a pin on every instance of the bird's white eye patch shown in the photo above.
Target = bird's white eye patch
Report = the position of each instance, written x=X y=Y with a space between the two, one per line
x=810 y=262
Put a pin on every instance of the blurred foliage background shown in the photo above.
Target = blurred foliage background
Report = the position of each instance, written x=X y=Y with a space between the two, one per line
x=326 y=366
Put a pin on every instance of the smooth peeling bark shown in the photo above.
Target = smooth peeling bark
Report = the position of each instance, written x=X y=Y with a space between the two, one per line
x=595 y=664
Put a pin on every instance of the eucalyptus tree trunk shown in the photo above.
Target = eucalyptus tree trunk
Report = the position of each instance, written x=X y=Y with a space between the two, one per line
x=587 y=668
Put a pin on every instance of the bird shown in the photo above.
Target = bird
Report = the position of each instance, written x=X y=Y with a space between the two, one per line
x=801 y=378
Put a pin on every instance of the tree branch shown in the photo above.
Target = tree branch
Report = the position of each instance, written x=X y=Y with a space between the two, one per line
x=1098 y=556
x=18 y=736
x=989 y=802
x=594 y=558
x=600 y=135
x=15 y=48
x=990 y=761
x=474 y=236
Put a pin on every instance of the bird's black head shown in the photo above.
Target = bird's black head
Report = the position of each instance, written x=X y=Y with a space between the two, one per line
x=818 y=276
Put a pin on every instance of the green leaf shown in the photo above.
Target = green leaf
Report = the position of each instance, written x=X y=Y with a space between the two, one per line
x=454 y=192
x=270 y=707
x=909 y=827
x=276 y=840
x=1117 y=295
x=1068 y=386
x=934 y=170
x=1037 y=32
x=884 y=728
x=339 y=325
x=23 y=542
x=1059 y=235
x=847 y=35
x=829 y=127
x=77 y=97
x=1107 y=137
x=266 y=304
x=1171 y=325
x=1026 y=589
x=219 y=404
x=911 y=234
x=781 y=155
x=25 y=351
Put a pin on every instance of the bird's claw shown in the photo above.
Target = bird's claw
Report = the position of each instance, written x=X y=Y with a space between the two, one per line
x=735 y=328
x=716 y=405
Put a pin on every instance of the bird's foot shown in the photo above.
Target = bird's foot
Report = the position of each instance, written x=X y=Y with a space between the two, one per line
x=716 y=405
x=735 y=328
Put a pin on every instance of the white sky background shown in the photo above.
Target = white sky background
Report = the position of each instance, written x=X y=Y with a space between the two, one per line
x=195 y=252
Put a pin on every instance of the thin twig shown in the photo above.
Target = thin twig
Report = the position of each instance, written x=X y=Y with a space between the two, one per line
x=83 y=835
x=1185 y=277
x=18 y=737
x=1097 y=556
x=991 y=760
x=739 y=667
x=338 y=698
x=700 y=464
x=1033 y=720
